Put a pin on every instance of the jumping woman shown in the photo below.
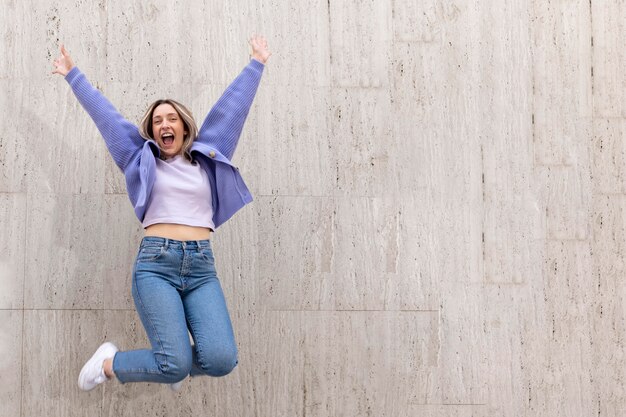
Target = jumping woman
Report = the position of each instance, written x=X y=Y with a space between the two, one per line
x=182 y=185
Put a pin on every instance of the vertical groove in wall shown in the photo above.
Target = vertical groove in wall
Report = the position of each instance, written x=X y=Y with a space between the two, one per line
x=105 y=8
x=328 y=244
x=592 y=166
x=482 y=226
x=532 y=85
x=23 y=309
x=591 y=41
x=330 y=45
x=439 y=339
x=392 y=253
x=304 y=391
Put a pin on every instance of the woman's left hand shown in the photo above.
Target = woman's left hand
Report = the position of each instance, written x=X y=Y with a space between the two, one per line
x=260 y=52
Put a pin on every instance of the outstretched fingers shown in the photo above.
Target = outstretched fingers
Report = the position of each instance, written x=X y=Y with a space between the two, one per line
x=258 y=41
x=63 y=64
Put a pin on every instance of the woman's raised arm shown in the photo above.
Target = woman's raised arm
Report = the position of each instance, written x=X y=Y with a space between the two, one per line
x=223 y=125
x=121 y=137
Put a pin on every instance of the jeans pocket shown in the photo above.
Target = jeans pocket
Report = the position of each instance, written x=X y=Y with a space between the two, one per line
x=207 y=255
x=150 y=253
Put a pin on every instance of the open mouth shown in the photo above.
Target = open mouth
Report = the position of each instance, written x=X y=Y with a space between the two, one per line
x=167 y=139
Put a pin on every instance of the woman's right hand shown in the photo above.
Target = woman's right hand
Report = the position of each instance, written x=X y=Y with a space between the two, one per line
x=260 y=51
x=64 y=63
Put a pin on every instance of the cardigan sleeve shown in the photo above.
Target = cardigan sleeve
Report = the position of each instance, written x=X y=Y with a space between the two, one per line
x=121 y=136
x=223 y=125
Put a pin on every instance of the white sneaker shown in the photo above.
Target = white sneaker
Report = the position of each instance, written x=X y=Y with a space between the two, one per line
x=177 y=386
x=92 y=373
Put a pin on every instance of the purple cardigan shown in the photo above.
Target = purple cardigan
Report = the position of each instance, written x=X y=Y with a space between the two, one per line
x=213 y=148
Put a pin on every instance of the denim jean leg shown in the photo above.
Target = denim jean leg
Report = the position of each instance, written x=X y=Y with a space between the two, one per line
x=215 y=349
x=160 y=308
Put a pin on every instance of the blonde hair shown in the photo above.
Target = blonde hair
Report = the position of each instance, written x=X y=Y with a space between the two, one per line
x=145 y=127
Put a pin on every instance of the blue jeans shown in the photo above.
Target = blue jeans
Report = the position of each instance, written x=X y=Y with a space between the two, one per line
x=176 y=289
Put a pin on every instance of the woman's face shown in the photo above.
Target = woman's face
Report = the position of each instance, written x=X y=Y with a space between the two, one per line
x=168 y=129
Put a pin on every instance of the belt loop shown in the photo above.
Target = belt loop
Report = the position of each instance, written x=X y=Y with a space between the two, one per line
x=167 y=243
x=199 y=245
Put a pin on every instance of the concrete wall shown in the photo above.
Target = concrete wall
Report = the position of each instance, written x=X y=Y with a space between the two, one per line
x=439 y=217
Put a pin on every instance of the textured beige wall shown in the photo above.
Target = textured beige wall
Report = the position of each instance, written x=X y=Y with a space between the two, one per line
x=439 y=224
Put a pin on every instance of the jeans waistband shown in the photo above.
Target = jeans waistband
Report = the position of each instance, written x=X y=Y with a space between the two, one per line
x=176 y=244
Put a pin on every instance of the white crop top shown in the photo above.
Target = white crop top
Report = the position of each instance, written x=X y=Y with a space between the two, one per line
x=181 y=195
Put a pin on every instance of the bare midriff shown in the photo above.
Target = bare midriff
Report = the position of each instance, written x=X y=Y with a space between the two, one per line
x=178 y=231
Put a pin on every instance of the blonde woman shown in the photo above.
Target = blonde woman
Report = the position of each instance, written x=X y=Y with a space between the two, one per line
x=183 y=186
